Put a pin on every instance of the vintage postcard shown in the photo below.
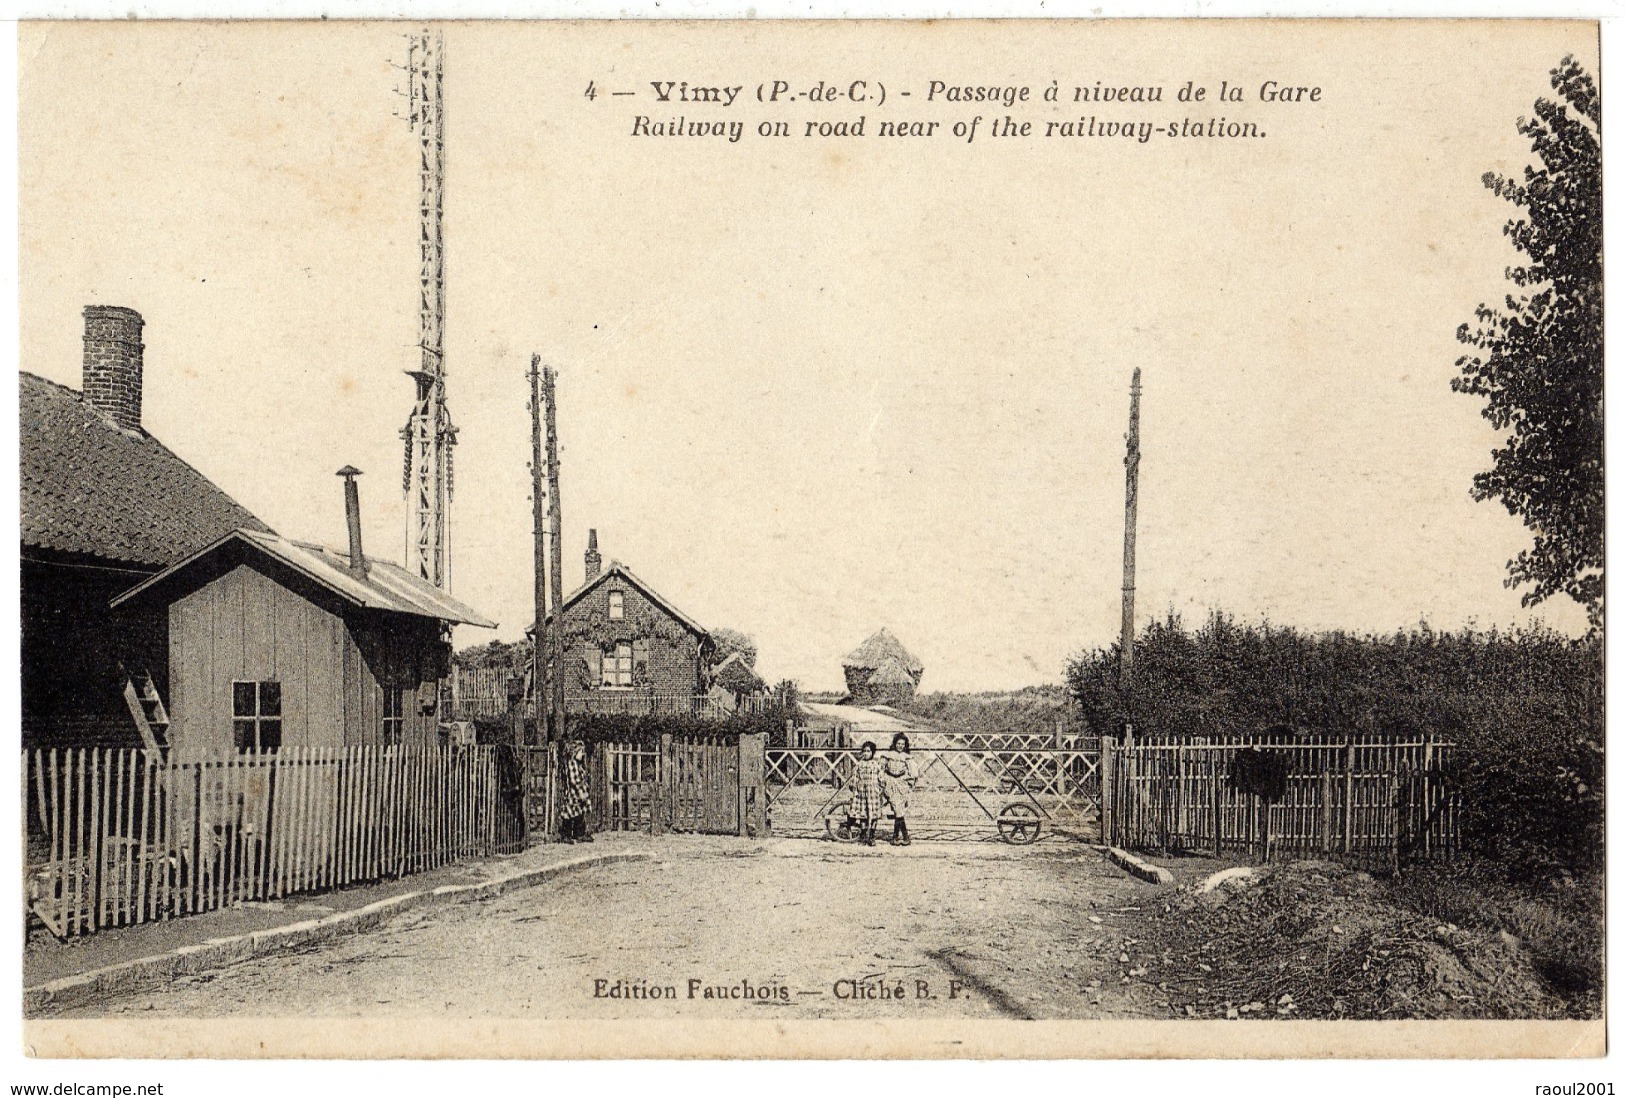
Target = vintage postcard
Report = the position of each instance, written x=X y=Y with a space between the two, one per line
x=788 y=539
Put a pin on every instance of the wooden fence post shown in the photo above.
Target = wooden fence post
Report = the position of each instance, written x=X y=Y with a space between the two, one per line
x=1108 y=789
x=598 y=788
x=1426 y=785
x=550 y=788
x=1218 y=803
x=1393 y=812
x=1326 y=809
x=1182 y=793
x=1268 y=810
x=661 y=791
x=752 y=785
x=1348 y=795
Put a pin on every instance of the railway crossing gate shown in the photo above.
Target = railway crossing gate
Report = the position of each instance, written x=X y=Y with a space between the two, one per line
x=1014 y=788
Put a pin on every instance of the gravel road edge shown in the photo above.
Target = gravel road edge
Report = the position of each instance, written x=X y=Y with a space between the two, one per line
x=100 y=983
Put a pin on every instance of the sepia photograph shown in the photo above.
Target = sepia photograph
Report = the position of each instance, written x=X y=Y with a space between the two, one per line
x=849 y=539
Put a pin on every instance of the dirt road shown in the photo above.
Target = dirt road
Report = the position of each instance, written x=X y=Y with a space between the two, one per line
x=782 y=928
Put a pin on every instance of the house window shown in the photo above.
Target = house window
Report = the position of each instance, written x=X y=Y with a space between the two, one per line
x=617 y=606
x=394 y=715
x=256 y=715
x=618 y=666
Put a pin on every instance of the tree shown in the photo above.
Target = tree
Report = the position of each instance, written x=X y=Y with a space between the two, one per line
x=788 y=693
x=729 y=641
x=1538 y=360
x=513 y=656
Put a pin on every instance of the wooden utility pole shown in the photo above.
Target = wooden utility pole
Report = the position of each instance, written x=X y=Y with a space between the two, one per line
x=538 y=664
x=1131 y=493
x=550 y=398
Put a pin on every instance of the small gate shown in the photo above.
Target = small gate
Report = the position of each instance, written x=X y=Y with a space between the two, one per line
x=1001 y=788
x=698 y=786
x=534 y=790
x=702 y=787
x=627 y=776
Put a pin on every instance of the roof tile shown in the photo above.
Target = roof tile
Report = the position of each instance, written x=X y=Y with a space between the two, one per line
x=89 y=487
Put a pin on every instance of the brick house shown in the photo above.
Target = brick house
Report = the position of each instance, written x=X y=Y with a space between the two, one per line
x=103 y=505
x=626 y=648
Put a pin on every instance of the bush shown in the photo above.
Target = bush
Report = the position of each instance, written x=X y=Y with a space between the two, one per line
x=1524 y=708
x=513 y=656
x=648 y=728
x=1538 y=812
x=1032 y=710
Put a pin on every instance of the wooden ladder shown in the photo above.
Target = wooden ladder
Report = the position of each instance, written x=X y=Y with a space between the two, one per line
x=147 y=709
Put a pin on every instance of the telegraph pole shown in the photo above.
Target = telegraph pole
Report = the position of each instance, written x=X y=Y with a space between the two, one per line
x=556 y=638
x=538 y=663
x=1131 y=492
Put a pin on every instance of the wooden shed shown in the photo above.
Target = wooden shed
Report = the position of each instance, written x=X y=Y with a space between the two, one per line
x=277 y=643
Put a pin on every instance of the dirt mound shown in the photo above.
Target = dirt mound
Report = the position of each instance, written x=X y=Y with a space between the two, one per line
x=1319 y=940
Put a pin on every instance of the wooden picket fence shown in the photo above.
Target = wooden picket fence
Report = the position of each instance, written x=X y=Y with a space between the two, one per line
x=1370 y=799
x=118 y=837
x=474 y=693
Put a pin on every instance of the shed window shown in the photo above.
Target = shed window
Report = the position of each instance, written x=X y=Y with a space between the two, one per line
x=618 y=665
x=256 y=715
x=617 y=605
x=394 y=715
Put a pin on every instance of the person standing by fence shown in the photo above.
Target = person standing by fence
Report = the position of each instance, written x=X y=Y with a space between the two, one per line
x=867 y=797
x=573 y=796
x=897 y=782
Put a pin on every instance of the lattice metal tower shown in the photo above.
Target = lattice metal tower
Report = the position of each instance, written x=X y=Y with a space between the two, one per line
x=428 y=434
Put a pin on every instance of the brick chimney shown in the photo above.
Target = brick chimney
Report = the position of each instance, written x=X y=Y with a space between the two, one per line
x=595 y=563
x=112 y=371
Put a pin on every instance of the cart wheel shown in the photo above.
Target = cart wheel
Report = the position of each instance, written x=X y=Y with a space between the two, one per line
x=1018 y=823
x=835 y=824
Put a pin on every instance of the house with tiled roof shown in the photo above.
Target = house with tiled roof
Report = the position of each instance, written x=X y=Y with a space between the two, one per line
x=881 y=671
x=104 y=504
x=627 y=649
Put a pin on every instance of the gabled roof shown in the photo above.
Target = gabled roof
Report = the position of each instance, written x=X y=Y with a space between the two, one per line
x=735 y=659
x=386 y=585
x=875 y=651
x=735 y=669
x=90 y=487
x=616 y=568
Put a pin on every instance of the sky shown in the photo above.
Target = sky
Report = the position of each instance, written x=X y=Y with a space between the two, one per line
x=811 y=387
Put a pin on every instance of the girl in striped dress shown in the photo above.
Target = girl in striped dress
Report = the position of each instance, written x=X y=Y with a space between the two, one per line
x=867 y=798
x=573 y=795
